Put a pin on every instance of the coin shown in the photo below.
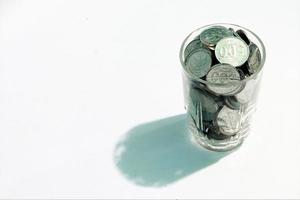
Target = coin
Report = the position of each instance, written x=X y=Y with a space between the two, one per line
x=223 y=79
x=243 y=35
x=254 y=60
x=192 y=46
x=198 y=63
x=232 y=50
x=203 y=105
x=229 y=121
x=232 y=102
x=213 y=35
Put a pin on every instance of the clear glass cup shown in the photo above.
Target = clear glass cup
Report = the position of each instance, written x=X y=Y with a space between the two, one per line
x=220 y=122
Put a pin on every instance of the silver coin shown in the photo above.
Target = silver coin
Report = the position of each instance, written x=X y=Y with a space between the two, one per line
x=192 y=46
x=254 y=60
x=232 y=50
x=224 y=80
x=213 y=35
x=198 y=63
x=245 y=95
x=229 y=121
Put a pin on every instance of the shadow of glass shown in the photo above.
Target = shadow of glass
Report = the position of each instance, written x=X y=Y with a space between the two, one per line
x=161 y=152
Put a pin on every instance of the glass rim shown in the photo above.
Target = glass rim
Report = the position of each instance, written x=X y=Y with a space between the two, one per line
x=252 y=76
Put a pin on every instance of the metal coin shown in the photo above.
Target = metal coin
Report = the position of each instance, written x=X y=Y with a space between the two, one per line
x=254 y=59
x=243 y=35
x=213 y=35
x=203 y=105
x=232 y=50
x=198 y=63
x=192 y=46
x=224 y=80
x=229 y=121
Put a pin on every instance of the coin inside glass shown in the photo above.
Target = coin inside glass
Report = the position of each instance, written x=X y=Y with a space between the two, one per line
x=192 y=46
x=198 y=63
x=232 y=50
x=224 y=79
x=213 y=35
x=229 y=121
x=254 y=60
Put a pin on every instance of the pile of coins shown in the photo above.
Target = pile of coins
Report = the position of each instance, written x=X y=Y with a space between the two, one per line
x=222 y=57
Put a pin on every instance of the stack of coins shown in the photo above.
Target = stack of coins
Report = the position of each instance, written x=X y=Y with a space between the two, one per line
x=222 y=58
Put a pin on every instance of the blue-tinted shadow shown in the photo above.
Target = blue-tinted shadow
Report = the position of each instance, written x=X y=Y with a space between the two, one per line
x=160 y=152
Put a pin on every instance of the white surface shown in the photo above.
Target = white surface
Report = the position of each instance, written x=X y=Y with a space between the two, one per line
x=76 y=76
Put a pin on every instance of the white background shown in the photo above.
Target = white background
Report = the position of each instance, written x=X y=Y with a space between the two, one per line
x=77 y=76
